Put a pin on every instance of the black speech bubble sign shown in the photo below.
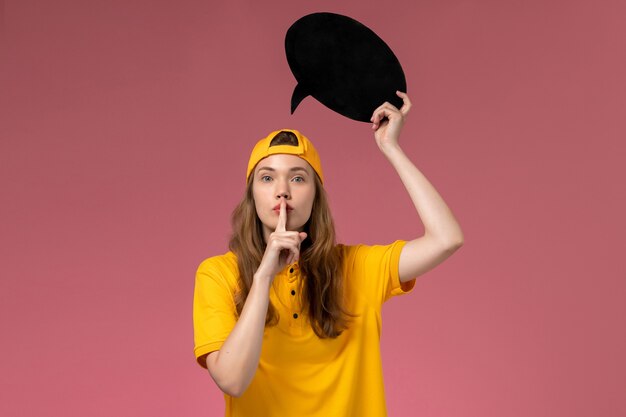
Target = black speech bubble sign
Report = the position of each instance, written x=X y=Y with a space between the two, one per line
x=343 y=64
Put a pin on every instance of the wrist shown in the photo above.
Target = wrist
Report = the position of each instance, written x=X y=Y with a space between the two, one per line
x=261 y=283
x=392 y=151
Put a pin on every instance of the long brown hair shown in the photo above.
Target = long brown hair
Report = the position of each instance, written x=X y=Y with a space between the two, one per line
x=320 y=260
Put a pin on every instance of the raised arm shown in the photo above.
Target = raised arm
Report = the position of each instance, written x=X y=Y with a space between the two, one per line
x=443 y=235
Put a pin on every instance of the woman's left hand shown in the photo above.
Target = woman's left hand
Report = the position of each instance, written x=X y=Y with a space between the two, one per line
x=387 y=131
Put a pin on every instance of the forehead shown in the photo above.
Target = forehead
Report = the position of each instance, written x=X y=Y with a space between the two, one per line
x=283 y=162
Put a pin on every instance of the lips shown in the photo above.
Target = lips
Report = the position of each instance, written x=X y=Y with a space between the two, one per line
x=278 y=210
x=289 y=208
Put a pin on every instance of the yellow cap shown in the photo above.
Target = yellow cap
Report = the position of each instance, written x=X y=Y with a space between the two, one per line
x=304 y=150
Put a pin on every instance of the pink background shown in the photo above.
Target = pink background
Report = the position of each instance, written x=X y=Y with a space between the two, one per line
x=125 y=128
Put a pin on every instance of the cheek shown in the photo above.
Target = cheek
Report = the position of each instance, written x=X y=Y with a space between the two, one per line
x=257 y=197
x=311 y=199
x=257 y=204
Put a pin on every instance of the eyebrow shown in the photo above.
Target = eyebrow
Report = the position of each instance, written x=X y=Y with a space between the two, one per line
x=290 y=170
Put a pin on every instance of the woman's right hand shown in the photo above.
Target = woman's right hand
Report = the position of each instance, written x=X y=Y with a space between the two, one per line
x=282 y=249
x=235 y=364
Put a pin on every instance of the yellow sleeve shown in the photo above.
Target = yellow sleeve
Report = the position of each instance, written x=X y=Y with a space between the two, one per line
x=375 y=269
x=214 y=312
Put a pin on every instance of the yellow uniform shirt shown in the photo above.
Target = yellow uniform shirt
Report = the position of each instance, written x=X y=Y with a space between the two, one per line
x=300 y=374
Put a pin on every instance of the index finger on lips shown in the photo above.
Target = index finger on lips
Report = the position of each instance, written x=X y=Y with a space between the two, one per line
x=282 y=217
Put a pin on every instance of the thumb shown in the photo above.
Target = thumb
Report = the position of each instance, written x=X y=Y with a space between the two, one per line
x=303 y=236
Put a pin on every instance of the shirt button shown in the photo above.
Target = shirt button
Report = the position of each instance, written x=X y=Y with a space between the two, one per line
x=291 y=270
x=295 y=315
x=293 y=292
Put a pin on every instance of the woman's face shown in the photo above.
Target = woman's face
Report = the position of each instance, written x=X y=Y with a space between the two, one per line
x=283 y=176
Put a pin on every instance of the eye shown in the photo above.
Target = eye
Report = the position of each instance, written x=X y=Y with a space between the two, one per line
x=265 y=176
x=299 y=178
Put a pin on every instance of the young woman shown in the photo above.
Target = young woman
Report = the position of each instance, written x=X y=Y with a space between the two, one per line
x=288 y=322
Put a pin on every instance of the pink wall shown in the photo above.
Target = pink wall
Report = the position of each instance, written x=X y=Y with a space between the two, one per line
x=125 y=128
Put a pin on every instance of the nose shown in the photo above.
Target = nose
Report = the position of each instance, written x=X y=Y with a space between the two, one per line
x=282 y=190
x=283 y=194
